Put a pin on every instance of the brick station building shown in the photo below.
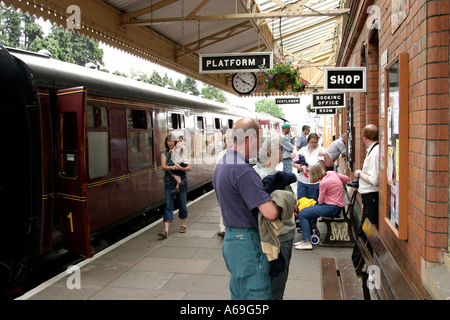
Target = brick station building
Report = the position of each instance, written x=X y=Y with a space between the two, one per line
x=407 y=67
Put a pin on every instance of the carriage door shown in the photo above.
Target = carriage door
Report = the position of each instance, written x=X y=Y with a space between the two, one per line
x=71 y=185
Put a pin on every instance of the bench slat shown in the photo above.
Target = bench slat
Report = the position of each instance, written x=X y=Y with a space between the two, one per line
x=398 y=283
x=351 y=287
x=330 y=283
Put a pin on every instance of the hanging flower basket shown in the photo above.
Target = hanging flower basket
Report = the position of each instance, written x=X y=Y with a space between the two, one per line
x=282 y=77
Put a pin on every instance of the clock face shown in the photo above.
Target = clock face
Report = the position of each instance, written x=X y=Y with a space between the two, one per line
x=244 y=82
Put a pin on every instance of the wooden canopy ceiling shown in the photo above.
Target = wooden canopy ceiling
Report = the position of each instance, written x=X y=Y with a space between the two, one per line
x=173 y=33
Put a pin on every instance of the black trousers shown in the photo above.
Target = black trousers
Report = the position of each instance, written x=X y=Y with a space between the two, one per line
x=370 y=211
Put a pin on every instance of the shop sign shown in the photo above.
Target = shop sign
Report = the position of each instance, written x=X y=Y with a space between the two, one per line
x=345 y=79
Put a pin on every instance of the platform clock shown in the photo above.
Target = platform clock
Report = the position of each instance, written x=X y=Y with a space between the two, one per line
x=244 y=83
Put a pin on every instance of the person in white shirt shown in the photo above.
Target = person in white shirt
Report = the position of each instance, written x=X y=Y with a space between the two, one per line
x=368 y=185
x=313 y=154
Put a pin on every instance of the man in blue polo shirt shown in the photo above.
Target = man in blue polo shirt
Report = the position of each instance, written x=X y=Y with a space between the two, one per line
x=241 y=194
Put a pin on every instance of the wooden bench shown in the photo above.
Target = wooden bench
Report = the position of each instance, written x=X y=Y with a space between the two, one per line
x=339 y=280
x=389 y=281
x=340 y=229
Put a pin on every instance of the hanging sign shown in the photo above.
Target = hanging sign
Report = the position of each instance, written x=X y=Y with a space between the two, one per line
x=326 y=111
x=345 y=79
x=235 y=62
x=321 y=100
x=287 y=100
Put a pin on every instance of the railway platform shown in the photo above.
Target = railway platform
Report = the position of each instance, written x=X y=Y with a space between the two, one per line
x=185 y=266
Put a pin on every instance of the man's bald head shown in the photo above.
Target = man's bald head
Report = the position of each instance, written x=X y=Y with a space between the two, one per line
x=246 y=134
x=245 y=127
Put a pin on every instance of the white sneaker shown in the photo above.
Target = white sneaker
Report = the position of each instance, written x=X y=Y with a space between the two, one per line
x=304 y=246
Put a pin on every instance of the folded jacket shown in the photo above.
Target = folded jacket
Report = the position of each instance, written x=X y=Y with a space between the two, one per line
x=278 y=181
x=269 y=230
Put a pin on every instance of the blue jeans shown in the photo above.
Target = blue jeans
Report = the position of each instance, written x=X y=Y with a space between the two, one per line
x=312 y=214
x=287 y=165
x=248 y=265
x=310 y=191
x=181 y=199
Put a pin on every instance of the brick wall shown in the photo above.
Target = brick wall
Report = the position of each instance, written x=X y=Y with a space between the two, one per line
x=424 y=35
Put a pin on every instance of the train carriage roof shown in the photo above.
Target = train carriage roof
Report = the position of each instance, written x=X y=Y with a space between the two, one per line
x=55 y=73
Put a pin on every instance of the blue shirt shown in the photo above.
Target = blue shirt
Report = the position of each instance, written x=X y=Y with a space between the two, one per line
x=239 y=191
x=301 y=140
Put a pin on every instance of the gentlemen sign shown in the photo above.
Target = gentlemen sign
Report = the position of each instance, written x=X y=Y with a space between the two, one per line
x=326 y=110
x=335 y=100
x=346 y=79
x=287 y=101
x=235 y=62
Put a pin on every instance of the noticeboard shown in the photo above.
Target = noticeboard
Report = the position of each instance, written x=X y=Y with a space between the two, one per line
x=396 y=144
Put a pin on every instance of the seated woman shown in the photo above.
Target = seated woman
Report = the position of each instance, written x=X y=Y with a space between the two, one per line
x=331 y=200
x=313 y=154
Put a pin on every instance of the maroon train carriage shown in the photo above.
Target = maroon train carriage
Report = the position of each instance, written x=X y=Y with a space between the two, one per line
x=81 y=151
x=269 y=122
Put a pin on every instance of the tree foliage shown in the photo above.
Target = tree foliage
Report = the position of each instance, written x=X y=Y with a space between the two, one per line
x=18 y=30
x=21 y=31
x=210 y=92
x=268 y=106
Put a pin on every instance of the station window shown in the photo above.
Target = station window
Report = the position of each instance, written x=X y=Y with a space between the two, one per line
x=140 y=138
x=176 y=121
x=98 y=141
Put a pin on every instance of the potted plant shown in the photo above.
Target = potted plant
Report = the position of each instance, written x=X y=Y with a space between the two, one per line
x=282 y=77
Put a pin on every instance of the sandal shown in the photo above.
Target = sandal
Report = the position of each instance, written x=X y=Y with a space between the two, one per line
x=163 y=234
x=183 y=229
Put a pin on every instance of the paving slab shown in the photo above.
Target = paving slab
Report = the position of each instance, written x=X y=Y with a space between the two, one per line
x=185 y=266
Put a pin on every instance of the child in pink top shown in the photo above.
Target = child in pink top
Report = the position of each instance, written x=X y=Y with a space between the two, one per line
x=331 y=200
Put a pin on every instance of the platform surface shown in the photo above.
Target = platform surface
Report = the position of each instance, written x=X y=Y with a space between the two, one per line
x=185 y=266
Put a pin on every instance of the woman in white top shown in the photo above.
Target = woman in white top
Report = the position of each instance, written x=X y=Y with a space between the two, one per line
x=314 y=154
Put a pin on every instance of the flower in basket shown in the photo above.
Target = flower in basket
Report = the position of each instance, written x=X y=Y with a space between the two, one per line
x=282 y=77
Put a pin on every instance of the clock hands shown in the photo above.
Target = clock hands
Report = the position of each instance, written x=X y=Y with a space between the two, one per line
x=243 y=81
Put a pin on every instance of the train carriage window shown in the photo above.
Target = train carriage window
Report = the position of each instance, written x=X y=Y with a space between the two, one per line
x=69 y=144
x=137 y=119
x=230 y=124
x=200 y=122
x=98 y=141
x=176 y=121
x=200 y=136
x=140 y=138
x=217 y=123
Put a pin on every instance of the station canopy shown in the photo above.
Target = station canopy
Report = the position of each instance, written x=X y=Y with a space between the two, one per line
x=174 y=33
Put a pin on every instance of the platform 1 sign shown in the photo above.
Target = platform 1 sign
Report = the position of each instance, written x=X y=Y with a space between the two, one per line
x=345 y=79
x=235 y=62
x=334 y=100
x=326 y=111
